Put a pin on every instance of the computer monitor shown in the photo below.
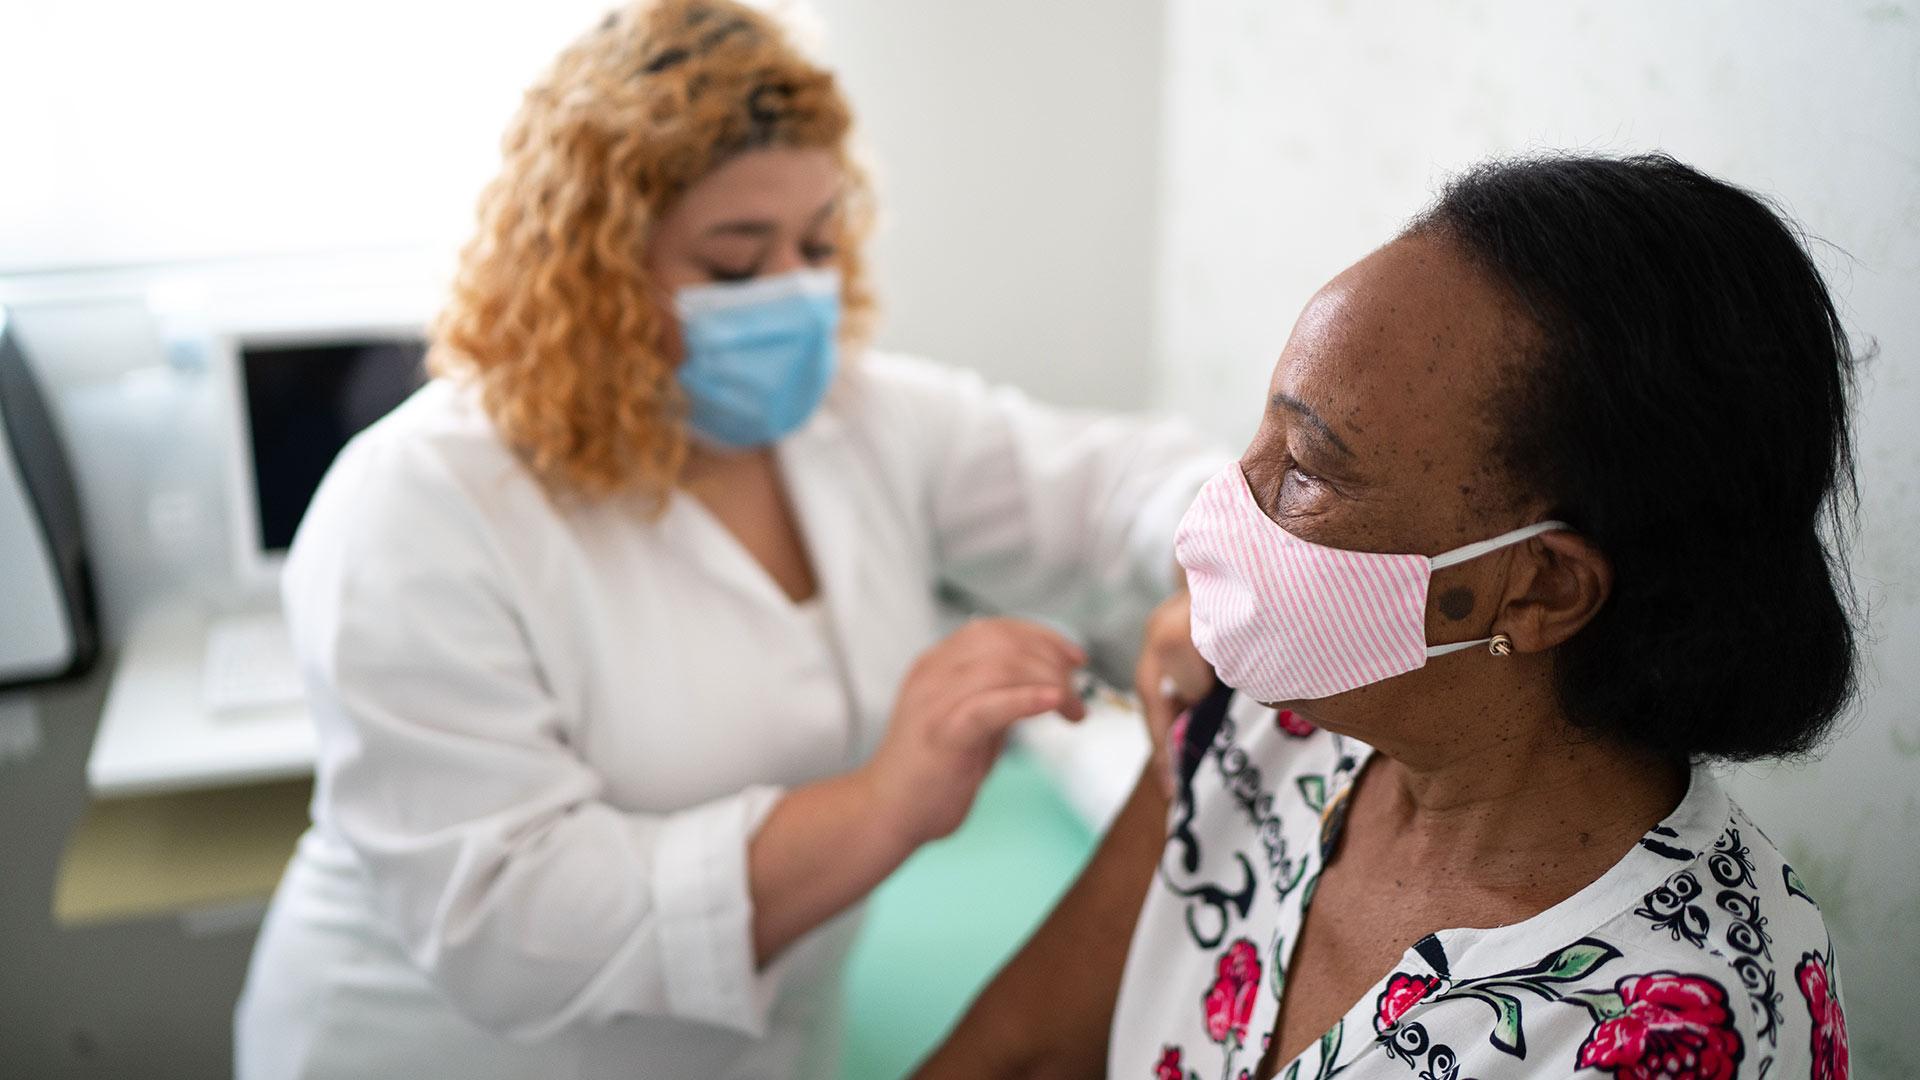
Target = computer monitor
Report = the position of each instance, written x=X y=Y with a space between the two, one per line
x=298 y=397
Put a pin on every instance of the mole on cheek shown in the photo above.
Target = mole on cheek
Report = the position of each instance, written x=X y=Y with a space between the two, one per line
x=1456 y=603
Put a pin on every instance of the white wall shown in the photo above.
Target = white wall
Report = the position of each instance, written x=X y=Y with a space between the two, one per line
x=201 y=128
x=252 y=147
x=1301 y=135
x=1015 y=145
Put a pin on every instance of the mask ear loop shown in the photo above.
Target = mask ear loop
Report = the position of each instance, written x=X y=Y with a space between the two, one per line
x=1487 y=547
x=1498 y=644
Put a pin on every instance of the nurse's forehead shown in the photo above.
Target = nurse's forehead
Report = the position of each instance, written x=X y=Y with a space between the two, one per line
x=1409 y=337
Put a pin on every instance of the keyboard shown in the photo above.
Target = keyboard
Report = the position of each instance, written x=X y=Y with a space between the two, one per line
x=249 y=664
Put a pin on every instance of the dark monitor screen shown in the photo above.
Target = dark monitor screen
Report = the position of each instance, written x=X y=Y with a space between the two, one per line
x=304 y=401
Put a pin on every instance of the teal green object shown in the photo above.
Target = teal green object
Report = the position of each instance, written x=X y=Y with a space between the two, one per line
x=946 y=921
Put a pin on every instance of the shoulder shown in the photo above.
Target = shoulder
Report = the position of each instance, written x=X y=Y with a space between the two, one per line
x=902 y=418
x=440 y=435
x=895 y=374
x=1700 y=955
x=911 y=394
x=1727 y=892
x=1733 y=944
x=429 y=482
x=439 y=444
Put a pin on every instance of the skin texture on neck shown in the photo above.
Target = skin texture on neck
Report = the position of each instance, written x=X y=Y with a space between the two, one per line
x=1514 y=800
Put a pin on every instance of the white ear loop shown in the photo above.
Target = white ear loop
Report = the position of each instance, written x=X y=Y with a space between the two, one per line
x=1474 y=551
x=1487 y=547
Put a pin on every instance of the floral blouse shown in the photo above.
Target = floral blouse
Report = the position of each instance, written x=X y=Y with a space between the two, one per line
x=1698 y=956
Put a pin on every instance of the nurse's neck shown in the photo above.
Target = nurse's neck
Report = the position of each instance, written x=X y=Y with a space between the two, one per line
x=707 y=463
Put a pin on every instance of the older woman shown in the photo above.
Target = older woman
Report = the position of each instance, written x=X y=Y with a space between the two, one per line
x=1531 y=534
x=623 y=637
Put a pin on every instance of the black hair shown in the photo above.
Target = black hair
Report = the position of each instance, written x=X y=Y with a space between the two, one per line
x=1686 y=408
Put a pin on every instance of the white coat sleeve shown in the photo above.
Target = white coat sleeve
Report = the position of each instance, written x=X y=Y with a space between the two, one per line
x=1067 y=515
x=445 y=767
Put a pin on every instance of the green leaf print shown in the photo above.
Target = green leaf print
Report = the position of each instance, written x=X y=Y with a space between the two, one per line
x=1576 y=960
x=1314 y=790
x=1796 y=886
x=1507 y=1034
x=1330 y=1048
x=1603 y=1004
x=1289 y=882
x=1571 y=964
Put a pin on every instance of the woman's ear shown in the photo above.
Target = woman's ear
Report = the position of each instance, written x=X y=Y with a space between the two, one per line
x=1560 y=580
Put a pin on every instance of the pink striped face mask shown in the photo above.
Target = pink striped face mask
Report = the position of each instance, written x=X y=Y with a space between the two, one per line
x=1285 y=619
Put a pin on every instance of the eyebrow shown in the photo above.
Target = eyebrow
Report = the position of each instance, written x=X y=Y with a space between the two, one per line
x=757 y=227
x=1305 y=412
x=741 y=228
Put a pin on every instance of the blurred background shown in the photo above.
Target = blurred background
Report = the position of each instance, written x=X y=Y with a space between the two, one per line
x=1120 y=203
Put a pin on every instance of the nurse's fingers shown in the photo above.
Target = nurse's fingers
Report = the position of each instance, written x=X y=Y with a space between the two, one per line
x=1008 y=667
x=1169 y=679
x=986 y=716
x=1021 y=656
x=1160 y=706
x=1003 y=651
x=1023 y=635
x=1012 y=670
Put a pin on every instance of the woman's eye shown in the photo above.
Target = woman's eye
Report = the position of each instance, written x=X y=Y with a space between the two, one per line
x=1296 y=482
x=728 y=274
x=819 y=253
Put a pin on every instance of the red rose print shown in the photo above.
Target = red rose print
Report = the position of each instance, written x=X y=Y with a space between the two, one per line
x=1169 y=1067
x=1830 y=1057
x=1292 y=723
x=1403 y=992
x=1675 y=1026
x=1229 y=1004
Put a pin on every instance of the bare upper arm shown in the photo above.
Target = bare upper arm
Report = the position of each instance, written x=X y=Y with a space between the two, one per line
x=1048 y=1011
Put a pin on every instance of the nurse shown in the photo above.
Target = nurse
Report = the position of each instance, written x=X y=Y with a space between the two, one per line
x=624 y=635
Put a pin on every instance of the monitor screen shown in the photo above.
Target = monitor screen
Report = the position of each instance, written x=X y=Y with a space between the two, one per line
x=304 y=401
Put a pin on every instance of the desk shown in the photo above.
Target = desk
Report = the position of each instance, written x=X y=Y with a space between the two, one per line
x=192 y=811
x=217 y=851
x=156 y=734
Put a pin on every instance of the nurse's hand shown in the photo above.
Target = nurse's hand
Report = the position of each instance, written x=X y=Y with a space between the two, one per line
x=953 y=714
x=828 y=843
x=1171 y=678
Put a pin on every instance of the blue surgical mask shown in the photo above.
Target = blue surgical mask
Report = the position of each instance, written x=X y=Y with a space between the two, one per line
x=760 y=354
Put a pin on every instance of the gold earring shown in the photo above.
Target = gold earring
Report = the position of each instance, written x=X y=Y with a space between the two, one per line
x=1501 y=645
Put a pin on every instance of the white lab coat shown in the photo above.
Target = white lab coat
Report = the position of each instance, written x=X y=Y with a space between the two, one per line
x=548 y=727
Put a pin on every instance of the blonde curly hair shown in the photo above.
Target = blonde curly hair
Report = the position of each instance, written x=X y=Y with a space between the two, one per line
x=553 y=312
